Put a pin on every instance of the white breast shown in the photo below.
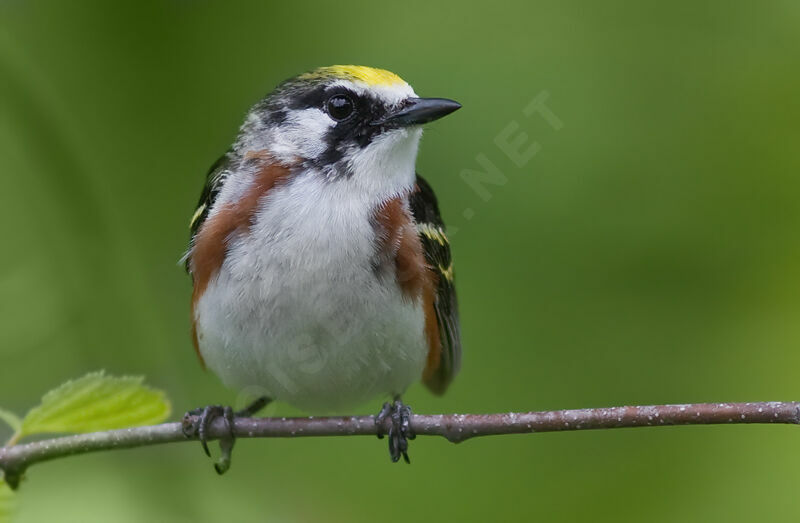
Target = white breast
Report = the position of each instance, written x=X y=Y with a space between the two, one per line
x=297 y=309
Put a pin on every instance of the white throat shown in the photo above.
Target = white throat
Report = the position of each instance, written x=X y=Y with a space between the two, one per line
x=386 y=168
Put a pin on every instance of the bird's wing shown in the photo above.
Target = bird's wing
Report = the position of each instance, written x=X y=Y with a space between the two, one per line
x=214 y=181
x=436 y=247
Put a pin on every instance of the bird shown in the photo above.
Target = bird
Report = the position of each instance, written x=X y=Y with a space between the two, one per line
x=322 y=273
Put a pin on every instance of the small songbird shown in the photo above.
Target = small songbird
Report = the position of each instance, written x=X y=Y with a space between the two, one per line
x=321 y=270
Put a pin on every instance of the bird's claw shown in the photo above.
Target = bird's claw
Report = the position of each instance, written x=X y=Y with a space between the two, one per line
x=400 y=429
x=196 y=423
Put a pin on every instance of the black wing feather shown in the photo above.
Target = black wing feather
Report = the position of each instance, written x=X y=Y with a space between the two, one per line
x=214 y=181
x=437 y=253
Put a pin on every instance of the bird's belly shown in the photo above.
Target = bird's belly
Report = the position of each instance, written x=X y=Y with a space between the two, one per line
x=320 y=336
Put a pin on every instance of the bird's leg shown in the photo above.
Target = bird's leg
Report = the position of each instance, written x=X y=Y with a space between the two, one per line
x=400 y=429
x=197 y=421
x=253 y=407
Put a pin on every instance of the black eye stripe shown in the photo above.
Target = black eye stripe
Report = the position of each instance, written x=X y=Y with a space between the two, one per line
x=366 y=107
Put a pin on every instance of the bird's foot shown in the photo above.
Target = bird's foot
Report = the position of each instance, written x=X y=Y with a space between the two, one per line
x=196 y=422
x=400 y=430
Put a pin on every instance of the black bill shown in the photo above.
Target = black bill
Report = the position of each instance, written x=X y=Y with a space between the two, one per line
x=418 y=111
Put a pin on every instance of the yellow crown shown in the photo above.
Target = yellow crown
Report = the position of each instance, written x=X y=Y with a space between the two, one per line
x=368 y=75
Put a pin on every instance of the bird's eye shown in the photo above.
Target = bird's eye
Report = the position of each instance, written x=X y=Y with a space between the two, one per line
x=340 y=106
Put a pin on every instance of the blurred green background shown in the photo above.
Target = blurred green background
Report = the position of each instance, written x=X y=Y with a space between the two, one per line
x=648 y=253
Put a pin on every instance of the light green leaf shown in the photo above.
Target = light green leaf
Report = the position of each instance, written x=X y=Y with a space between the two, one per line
x=97 y=402
x=8 y=502
x=12 y=419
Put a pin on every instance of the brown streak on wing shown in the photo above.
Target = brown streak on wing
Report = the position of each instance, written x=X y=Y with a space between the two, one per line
x=399 y=243
x=211 y=242
x=431 y=330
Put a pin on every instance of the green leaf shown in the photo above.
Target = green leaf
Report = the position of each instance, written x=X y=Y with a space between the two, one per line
x=12 y=419
x=8 y=502
x=97 y=402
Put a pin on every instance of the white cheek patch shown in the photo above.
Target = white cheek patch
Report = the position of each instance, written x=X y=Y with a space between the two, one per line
x=302 y=134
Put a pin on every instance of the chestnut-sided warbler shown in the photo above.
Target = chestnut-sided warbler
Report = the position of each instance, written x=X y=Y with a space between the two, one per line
x=321 y=270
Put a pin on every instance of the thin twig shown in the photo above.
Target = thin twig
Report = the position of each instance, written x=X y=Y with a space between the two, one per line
x=14 y=460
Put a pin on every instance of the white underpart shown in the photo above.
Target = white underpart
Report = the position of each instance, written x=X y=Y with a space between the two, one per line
x=297 y=310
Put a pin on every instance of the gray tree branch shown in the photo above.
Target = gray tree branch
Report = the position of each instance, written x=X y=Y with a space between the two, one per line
x=14 y=460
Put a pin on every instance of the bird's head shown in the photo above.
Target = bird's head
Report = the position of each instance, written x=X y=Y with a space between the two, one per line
x=343 y=121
